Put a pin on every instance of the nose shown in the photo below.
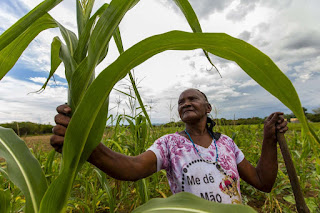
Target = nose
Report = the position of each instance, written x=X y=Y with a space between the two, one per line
x=186 y=104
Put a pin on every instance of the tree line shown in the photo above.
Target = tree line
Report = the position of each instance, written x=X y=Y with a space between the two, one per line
x=28 y=128
x=312 y=117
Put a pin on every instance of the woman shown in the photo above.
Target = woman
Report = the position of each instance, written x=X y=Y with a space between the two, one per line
x=197 y=160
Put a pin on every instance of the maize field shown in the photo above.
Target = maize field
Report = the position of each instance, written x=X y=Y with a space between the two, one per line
x=93 y=191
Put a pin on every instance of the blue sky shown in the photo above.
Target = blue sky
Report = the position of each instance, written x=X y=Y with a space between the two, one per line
x=287 y=31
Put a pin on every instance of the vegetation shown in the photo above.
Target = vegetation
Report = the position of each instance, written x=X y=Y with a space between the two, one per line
x=28 y=128
x=223 y=121
x=313 y=117
x=91 y=194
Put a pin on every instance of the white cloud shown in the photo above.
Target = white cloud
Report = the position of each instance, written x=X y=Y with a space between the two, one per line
x=52 y=82
x=241 y=11
x=18 y=103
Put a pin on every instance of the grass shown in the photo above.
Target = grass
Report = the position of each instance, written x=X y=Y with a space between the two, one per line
x=89 y=194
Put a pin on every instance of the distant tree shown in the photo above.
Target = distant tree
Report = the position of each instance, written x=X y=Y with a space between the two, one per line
x=305 y=110
x=315 y=117
x=316 y=111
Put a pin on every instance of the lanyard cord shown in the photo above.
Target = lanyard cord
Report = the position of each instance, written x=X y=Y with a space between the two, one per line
x=214 y=140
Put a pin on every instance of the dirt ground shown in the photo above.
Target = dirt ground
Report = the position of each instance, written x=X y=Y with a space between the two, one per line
x=38 y=142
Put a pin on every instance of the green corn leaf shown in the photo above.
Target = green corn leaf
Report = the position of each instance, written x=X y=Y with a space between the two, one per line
x=134 y=3
x=106 y=186
x=98 y=46
x=69 y=63
x=55 y=59
x=116 y=144
x=124 y=93
x=59 y=190
x=79 y=83
x=96 y=132
x=104 y=28
x=69 y=37
x=22 y=168
x=4 y=173
x=84 y=8
x=87 y=9
x=11 y=53
x=22 y=24
x=118 y=41
x=187 y=202
x=131 y=124
x=81 y=77
x=193 y=21
x=117 y=128
x=190 y=15
x=49 y=162
x=81 y=50
x=313 y=133
x=103 y=53
x=80 y=17
x=141 y=186
x=5 y=197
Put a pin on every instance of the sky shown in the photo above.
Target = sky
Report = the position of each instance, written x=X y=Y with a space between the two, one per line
x=288 y=31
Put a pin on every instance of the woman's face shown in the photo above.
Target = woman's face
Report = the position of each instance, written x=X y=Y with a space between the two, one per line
x=192 y=106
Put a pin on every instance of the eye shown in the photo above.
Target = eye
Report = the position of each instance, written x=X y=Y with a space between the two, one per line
x=193 y=98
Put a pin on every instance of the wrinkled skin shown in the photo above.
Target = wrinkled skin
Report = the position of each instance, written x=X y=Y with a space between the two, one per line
x=193 y=108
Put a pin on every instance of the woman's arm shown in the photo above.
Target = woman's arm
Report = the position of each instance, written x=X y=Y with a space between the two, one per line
x=123 y=167
x=264 y=175
x=114 y=164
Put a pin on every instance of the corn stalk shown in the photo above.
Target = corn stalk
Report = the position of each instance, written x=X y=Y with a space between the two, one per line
x=88 y=96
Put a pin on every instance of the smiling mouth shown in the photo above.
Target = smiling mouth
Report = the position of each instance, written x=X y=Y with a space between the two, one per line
x=189 y=110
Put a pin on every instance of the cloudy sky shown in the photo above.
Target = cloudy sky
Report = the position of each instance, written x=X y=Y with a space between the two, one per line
x=288 y=31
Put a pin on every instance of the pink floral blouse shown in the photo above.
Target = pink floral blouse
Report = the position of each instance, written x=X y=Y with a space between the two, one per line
x=186 y=171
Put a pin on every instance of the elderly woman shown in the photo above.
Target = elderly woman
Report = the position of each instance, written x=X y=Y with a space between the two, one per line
x=197 y=160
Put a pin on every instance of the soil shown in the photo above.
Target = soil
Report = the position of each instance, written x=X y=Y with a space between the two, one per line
x=41 y=142
x=256 y=205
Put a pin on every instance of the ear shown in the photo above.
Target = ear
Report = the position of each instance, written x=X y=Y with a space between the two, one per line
x=209 y=108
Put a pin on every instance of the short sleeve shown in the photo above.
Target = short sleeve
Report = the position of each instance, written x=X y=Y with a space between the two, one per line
x=160 y=149
x=238 y=153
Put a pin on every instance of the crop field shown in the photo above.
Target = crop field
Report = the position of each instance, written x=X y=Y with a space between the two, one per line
x=93 y=191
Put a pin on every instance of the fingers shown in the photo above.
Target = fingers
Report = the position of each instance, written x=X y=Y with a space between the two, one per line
x=270 y=117
x=276 y=116
x=64 y=109
x=283 y=130
x=56 y=142
x=59 y=130
x=282 y=125
x=62 y=119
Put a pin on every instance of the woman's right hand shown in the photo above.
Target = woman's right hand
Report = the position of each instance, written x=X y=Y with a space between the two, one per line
x=62 y=120
x=114 y=164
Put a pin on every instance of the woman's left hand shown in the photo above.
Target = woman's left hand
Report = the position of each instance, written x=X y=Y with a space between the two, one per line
x=273 y=124
x=264 y=175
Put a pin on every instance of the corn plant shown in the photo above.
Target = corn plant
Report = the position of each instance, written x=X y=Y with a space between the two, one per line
x=88 y=96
